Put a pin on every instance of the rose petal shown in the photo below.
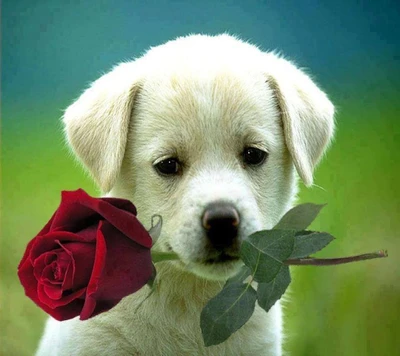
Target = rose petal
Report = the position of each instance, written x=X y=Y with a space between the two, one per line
x=51 y=241
x=68 y=282
x=42 y=262
x=45 y=299
x=47 y=276
x=75 y=236
x=128 y=265
x=30 y=284
x=71 y=215
x=122 y=204
x=43 y=245
x=127 y=223
x=27 y=253
x=127 y=268
x=83 y=256
x=53 y=292
x=27 y=279
x=47 y=227
x=64 y=259
x=99 y=263
x=88 y=234
x=50 y=257
x=64 y=312
x=96 y=307
x=52 y=266
x=123 y=220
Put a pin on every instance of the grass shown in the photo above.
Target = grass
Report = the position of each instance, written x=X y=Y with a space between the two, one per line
x=341 y=310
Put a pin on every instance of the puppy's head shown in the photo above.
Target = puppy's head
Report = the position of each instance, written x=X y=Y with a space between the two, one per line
x=207 y=132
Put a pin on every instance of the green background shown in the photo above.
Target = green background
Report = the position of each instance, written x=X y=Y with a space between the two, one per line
x=52 y=49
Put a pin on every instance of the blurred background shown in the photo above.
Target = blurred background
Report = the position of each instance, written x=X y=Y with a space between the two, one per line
x=51 y=50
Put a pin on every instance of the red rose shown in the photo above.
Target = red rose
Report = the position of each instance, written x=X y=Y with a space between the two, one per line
x=91 y=254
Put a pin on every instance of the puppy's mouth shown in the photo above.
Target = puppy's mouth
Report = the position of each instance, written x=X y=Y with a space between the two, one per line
x=221 y=258
x=218 y=265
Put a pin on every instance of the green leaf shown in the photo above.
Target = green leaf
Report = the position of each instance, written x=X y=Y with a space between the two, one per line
x=163 y=256
x=152 y=283
x=265 y=251
x=269 y=293
x=152 y=279
x=240 y=276
x=155 y=229
x=263 y=254
x=308 y=242
x=300 y=217
x=227 y=312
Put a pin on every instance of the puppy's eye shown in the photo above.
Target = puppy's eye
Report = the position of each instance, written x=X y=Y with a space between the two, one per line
x=254 y=156
x=168 y=166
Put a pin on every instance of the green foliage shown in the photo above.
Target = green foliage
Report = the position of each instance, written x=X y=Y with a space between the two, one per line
x=265 y=251
x=309 y=242
x=264 y=254
x=163 y=256
x=269 y=293
x=300 y=217
x=227 y=312
x=240 y=276
x=155 y=229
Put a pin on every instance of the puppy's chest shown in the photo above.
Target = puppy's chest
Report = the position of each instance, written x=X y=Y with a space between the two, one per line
x=174 y=329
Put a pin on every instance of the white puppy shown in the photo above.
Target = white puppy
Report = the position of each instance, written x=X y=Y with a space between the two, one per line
x=207 y=132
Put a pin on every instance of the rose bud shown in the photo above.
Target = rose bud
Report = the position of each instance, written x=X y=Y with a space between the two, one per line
x=91 y=254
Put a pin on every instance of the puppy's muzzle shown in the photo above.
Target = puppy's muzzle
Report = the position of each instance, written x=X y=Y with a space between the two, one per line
x=221 y=223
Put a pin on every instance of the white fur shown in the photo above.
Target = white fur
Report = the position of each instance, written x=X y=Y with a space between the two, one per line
x=202 y=99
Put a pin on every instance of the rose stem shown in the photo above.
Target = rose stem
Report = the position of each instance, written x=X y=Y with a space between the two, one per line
x=334 y=261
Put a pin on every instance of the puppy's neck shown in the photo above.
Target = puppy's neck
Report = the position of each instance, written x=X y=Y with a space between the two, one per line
x=176 y=286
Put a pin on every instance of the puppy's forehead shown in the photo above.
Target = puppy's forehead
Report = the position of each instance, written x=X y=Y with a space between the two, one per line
x=220 y=103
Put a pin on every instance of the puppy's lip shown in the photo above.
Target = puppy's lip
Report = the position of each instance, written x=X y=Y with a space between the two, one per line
x=221 y=258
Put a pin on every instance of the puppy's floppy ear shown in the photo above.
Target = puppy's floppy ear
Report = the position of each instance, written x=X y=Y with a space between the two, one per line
x=307 y=114
x=97 y=123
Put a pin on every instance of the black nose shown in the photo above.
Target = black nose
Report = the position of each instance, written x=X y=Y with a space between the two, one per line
x=221 y=222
